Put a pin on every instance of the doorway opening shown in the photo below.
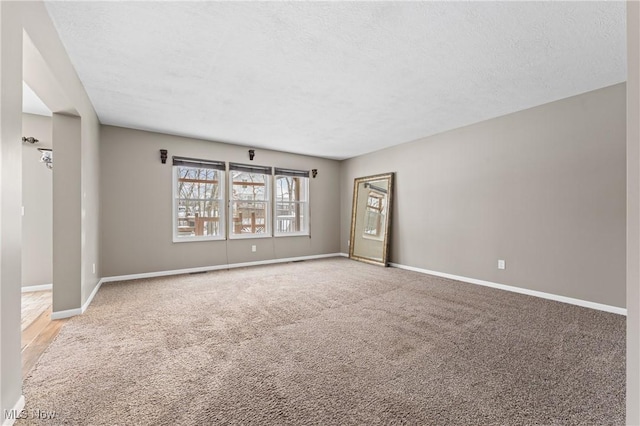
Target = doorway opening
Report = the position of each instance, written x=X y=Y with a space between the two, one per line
x=37 y=328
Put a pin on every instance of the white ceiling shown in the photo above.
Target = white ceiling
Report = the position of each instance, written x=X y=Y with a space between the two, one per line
x=334 y=79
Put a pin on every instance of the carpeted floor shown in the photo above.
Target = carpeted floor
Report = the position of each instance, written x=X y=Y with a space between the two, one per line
x=329 y=342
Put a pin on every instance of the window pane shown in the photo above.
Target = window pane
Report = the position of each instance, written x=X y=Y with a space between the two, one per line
x=249 y=186
x=197 y=218
x=249 y=217
x=285 y=189
x=290 y=217
x=289 y=188
x=291 y=205
x=198 y=183
x=250 y=204
x=199 y=206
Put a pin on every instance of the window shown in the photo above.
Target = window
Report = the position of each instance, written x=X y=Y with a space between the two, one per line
x=198 y=207
x=249 y=201
x=292 y=202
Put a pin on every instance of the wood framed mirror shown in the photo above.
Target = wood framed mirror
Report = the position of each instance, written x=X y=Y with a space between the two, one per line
x=371 y=218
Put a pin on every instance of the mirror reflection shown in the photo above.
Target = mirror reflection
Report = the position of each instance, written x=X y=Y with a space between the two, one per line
x=370 y=218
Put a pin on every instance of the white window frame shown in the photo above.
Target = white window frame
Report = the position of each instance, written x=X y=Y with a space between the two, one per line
x=268 y=233
x=305 y=203
x=221 y=199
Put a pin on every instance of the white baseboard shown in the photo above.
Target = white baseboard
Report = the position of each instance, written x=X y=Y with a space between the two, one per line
x=32 y=288
x=550 y=296
x=15 y=412
x=535 y=293
x=66 y=313
x=215 y=268
x=77 y=311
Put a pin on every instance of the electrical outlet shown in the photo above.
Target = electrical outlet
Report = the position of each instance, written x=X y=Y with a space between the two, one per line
x=93 y=268
x=502 y=264
x=254 y=249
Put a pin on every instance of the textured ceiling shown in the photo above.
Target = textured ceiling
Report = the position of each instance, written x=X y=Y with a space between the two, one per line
x=334 y=79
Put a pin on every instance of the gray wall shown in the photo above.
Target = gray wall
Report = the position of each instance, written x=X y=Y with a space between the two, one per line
x=10 y=202
x=37 y=222
x=633 y=213
x=136 y=205
x=67 y=213
x=543 y=189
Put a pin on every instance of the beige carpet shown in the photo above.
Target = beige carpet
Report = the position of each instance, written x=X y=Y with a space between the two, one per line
x=329 y=342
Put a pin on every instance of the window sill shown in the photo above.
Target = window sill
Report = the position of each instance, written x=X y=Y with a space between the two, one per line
x=248 y=236
x=297 y=234
x=196 y=239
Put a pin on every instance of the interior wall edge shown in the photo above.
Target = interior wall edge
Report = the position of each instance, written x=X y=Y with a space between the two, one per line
x=11 y=36
x=15 y=412
x=633 y=213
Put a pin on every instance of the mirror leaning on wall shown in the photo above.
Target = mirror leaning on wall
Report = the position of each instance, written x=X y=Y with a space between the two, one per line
x=371 y=218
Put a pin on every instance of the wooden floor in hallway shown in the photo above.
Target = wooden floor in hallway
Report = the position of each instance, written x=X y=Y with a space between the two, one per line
x=38 y=330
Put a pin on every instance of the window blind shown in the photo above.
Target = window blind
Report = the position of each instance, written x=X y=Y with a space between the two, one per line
x=290 y=172
x=250 y=168
x=196 y=162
